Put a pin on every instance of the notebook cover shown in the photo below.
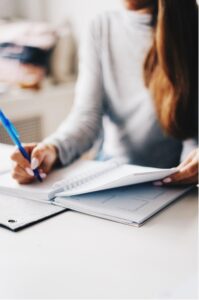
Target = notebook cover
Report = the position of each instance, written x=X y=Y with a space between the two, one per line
x=16 y=213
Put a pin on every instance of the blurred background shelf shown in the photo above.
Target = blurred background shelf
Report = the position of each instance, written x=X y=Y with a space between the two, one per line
x=37 y=113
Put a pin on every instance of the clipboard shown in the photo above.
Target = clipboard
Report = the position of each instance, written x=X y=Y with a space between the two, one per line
x=17 y=213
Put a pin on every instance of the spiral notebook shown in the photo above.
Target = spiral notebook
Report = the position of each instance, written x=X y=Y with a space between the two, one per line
x=83 y=177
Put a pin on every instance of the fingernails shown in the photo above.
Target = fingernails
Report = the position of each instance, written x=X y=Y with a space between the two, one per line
x=43 y=175
x=158 y=183
x=34 y=163
x=29 y=172
x=167 y=180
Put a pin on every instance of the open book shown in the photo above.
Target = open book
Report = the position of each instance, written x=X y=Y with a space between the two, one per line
x=83 y=177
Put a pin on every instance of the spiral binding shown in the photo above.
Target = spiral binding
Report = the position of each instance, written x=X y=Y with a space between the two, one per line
x=81 y=179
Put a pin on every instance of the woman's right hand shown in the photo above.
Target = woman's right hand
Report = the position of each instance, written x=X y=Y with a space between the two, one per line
x=42 y=156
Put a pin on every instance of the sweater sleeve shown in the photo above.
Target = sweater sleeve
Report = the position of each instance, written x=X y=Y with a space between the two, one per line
x=80 y=130
x=188 y=146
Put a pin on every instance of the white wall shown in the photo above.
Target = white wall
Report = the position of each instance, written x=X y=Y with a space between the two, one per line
x=7 y=8
x=78 y=11
x=31 y=9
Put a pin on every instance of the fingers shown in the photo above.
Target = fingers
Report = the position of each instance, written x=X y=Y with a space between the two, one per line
x=37 y=156
x=21 y=176
x=188 y=159
x=43 y=156
x=187 y=174
x=22 y=171
x=18 y=157
x=23 y=180
x=191 y=180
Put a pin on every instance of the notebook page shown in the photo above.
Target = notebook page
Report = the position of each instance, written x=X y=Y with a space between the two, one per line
x=124 y=175
x=5 y=161
x=93 y=171
x=38 y=190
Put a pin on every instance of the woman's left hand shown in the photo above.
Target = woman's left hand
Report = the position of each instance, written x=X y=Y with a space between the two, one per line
x=188 y=171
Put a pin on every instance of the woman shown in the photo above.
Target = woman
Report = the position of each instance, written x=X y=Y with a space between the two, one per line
x=138 y=70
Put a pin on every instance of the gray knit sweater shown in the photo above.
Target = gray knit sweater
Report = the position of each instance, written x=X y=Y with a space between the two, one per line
x=111 y=100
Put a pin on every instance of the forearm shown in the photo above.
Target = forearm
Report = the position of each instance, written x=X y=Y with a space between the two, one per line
x=76 y=135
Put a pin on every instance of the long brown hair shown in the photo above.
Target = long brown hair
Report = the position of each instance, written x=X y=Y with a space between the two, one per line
x=171 y=66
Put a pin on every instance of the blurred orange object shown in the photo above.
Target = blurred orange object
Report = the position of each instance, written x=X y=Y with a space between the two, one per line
x=23 y=75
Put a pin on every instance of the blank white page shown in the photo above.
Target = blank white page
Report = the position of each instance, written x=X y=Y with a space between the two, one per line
x=123 y=175
x=38 y=190
x=5 y=161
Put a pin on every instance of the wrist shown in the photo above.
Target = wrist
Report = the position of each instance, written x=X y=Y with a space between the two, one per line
x=55 y=151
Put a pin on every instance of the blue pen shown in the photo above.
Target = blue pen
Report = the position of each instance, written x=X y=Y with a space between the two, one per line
x=14 y=135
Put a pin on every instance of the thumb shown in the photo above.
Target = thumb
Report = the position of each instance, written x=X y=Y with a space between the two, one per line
x=37 y=157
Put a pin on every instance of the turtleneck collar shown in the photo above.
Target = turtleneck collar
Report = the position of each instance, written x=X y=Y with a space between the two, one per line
x=142 y=20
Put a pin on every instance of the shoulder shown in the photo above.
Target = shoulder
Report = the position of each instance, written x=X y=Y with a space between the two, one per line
x=106 y=16
x=101 y=23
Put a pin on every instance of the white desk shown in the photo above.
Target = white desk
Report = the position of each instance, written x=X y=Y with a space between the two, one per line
x=78 y=256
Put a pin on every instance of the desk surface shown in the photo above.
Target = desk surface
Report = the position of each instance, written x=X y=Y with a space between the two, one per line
x=78 y=256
